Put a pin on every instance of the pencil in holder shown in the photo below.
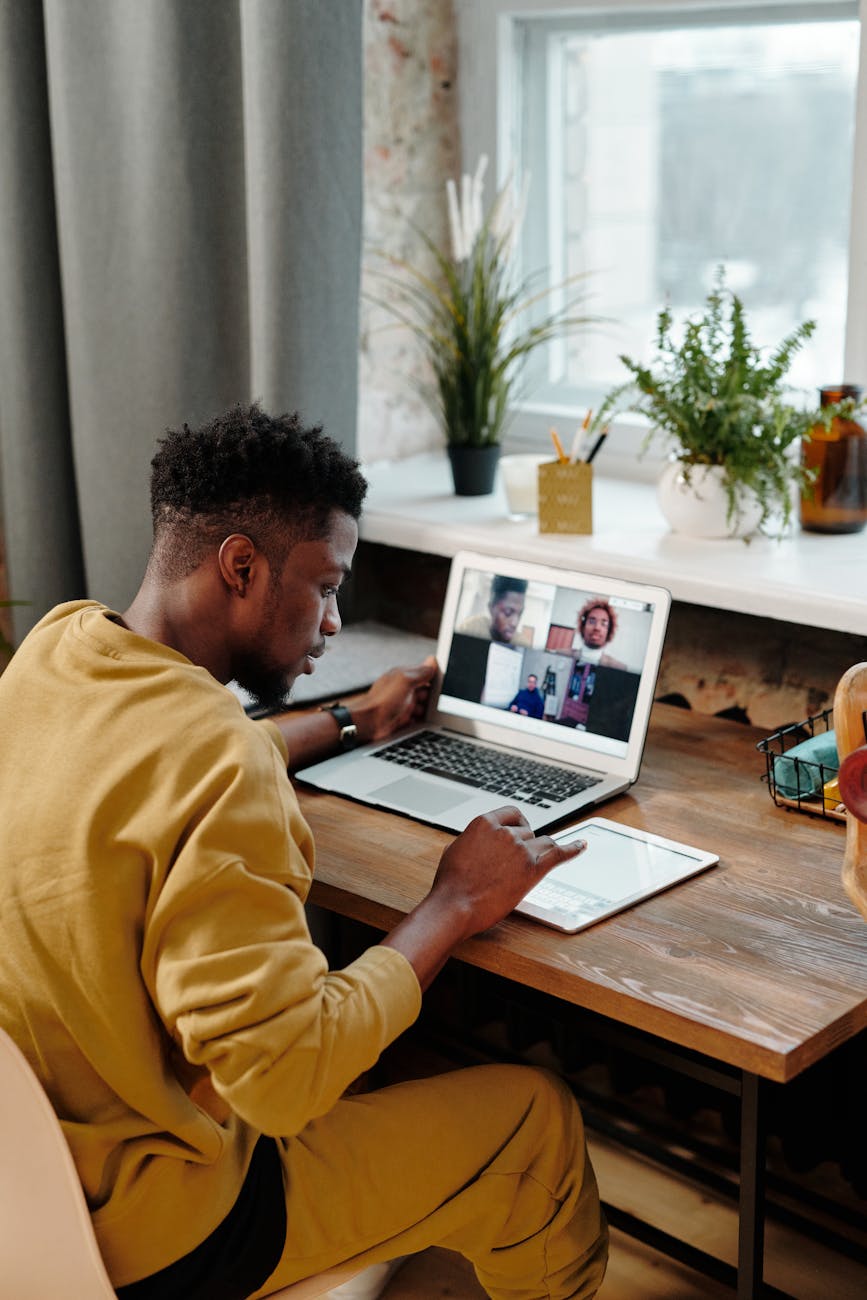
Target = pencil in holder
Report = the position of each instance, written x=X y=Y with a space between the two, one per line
x=565 y=497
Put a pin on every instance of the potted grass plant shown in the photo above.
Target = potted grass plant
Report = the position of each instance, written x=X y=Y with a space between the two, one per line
x=472 y=317
x=727 y=416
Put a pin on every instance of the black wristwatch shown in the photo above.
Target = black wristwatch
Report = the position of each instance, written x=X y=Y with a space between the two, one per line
x=349 y=737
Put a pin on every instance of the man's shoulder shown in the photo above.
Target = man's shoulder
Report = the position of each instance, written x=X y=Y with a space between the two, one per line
x=57 y=620
x=201 y=727
x=476 y=625
x=154 y=687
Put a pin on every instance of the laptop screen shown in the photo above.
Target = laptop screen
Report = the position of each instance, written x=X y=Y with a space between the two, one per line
x=545 y=659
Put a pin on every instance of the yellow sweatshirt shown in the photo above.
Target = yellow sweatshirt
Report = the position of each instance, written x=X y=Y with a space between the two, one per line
x=153 y=869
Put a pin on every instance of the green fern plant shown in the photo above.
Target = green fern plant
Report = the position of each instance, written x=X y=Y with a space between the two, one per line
x=715 y=400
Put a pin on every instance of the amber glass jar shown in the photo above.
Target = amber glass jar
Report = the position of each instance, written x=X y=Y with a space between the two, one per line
x=839 y=453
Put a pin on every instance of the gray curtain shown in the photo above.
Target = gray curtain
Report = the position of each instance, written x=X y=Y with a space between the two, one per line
x=180 y=228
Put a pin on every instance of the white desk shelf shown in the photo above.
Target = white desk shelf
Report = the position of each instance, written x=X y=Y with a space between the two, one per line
x=808 y=578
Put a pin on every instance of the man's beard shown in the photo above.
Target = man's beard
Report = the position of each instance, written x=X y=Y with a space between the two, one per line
x=269 y=687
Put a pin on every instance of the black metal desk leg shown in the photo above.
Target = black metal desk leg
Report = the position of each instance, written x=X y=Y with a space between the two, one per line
x=751 y=1209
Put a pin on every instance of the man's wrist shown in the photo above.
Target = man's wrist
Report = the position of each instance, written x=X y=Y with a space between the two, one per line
x=348 y=734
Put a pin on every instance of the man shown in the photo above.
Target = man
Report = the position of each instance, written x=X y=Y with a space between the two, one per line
x=596 y=626
x=155 y=963
x=529 y=701
x=505 y=607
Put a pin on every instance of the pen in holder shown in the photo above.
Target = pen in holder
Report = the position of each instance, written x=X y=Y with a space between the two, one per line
x=566 y=497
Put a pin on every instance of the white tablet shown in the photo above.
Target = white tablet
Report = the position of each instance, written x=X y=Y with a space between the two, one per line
x=619 y=867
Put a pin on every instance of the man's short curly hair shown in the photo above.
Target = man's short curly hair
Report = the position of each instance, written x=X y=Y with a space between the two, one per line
x=598 y=602
x=501 y=583
x=247 y=472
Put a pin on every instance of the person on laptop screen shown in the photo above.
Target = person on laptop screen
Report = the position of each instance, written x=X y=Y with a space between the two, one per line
x=595 y=629
x=156 y=966
x=529 y=701
x=501 y=621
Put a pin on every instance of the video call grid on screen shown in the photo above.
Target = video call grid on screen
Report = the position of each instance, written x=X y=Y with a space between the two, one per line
x=546 y=679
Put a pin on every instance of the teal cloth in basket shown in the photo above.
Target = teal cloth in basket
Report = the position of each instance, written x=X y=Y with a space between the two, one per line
x=798 y=772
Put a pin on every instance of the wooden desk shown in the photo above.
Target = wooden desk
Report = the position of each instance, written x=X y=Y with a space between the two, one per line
x=760 y=963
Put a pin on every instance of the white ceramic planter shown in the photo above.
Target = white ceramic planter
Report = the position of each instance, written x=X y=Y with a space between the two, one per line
x=699 y=508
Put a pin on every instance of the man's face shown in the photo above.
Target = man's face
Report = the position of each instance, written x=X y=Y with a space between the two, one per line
x=287 y=631
x=531 y=683
x=596 y=627
x=506 y=613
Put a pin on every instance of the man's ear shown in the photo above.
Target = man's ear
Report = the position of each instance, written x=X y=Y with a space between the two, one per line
x=238 y=560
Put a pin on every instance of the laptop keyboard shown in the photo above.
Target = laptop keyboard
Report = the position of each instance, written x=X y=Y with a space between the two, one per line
x=487 y=769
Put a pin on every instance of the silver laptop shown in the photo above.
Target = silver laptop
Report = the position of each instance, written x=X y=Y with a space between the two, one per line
x=542 y=700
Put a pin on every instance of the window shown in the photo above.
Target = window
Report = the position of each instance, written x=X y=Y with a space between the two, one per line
x=662 y=143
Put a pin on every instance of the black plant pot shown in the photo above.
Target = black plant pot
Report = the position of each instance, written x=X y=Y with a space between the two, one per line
x=474 y=469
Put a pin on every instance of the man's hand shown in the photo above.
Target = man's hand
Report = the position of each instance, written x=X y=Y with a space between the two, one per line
x=481 y=876
x=491 y=866
x=394 y=700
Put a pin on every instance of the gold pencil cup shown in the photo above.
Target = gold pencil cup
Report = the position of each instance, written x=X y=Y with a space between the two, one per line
x=565 y=497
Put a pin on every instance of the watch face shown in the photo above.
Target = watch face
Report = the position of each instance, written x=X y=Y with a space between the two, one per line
x=349 y=736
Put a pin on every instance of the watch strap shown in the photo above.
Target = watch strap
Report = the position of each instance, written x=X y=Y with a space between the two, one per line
x=349 y=737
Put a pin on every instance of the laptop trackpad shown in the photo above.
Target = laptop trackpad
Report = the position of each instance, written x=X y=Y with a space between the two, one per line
x=416 y=793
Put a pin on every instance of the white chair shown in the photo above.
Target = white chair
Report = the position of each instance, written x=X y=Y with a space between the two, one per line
x=48 y=1249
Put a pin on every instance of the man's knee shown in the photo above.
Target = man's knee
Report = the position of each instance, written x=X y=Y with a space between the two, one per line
x=546 y=1136
x=552 y=1233
x=547 y=1098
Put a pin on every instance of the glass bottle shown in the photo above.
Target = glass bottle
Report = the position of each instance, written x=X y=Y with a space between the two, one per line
x=839 y=455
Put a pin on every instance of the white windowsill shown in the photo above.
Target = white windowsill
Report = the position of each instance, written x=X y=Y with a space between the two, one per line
x=808 y=578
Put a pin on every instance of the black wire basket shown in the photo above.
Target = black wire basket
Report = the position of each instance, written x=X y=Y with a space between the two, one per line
x=805 y=786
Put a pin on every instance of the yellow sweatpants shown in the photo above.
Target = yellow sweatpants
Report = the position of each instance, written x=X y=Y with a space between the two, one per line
x=489 y=1161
